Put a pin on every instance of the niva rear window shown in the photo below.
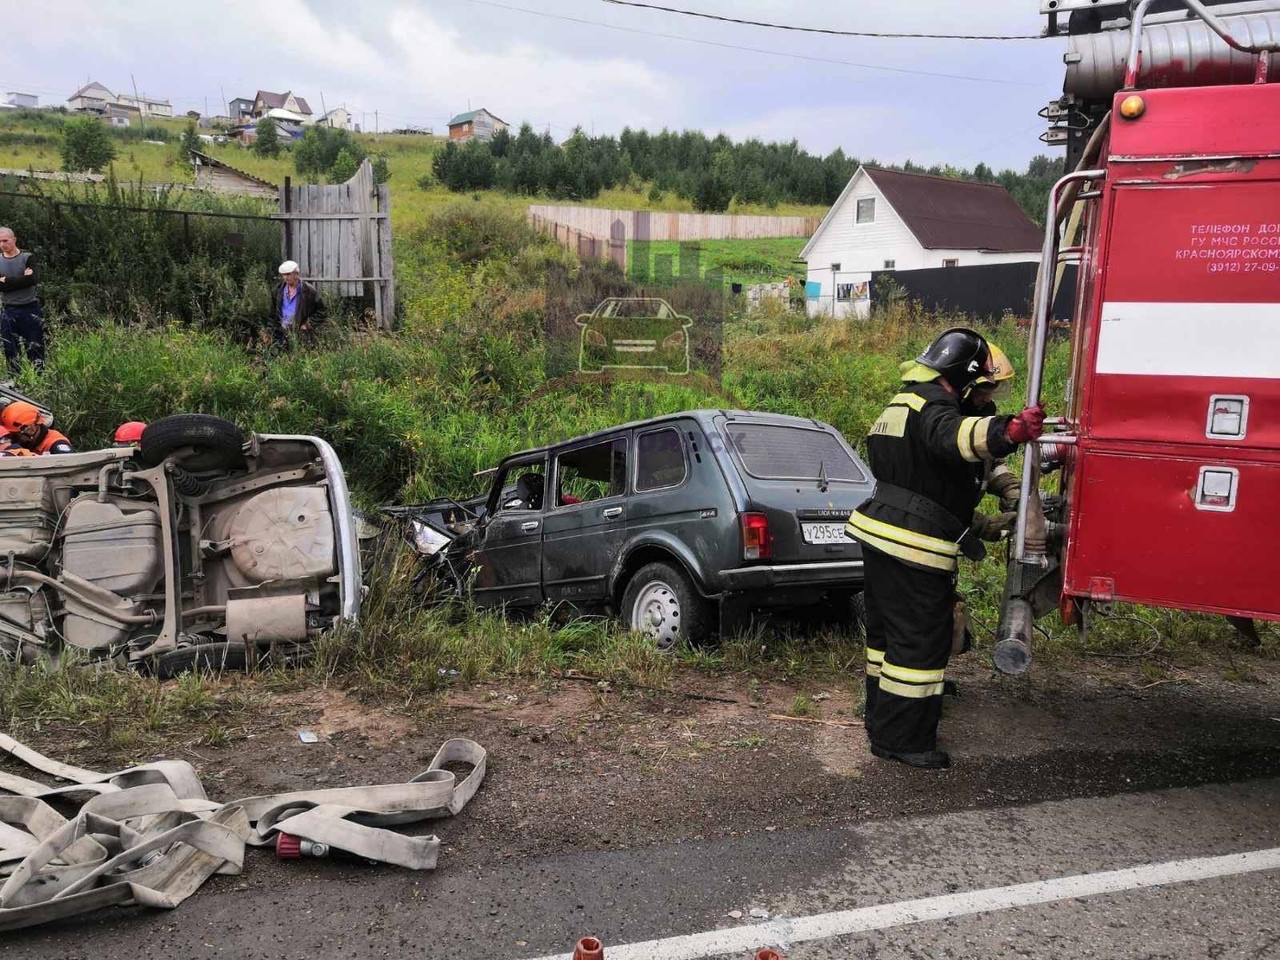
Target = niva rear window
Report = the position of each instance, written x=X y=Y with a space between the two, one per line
x=773 y=452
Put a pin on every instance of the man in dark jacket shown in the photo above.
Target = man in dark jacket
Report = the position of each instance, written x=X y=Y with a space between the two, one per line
x=296 y=307
x=929 y=460
x=21 y=319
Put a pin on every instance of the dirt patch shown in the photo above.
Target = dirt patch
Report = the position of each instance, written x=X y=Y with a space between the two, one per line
x=578 y=765
x=335 y=712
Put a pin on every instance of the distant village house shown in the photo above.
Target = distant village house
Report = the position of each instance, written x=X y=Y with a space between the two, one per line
x=337 y=118
x=295 y=107
x=475 y=125
x=240 y=110
x=21 y=101
x=93 y=97
x=147 y=106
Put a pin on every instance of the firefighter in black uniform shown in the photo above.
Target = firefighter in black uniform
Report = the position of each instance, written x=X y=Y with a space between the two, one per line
x=929 y=460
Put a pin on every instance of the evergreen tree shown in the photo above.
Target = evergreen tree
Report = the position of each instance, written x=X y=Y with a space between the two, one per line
x=267 y=141
x=191 y=142
x=344 y=167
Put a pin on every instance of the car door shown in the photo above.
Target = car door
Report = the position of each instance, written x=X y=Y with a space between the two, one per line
x=585 y=521
x=509 y=560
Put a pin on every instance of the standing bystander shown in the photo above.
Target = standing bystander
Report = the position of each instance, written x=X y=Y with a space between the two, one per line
x=21 y=320
x=297 y=307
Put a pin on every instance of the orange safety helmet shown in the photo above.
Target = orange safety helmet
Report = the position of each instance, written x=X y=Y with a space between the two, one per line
x=18 y=415
x=128 y=434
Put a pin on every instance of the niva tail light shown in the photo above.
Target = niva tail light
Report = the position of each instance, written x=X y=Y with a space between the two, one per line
x=757 y=541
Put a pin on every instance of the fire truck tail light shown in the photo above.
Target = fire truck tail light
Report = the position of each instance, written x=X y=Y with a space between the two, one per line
x=757 y=542
x=1131 y=108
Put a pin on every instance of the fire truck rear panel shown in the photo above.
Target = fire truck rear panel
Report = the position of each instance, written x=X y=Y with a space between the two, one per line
x=1175 y=484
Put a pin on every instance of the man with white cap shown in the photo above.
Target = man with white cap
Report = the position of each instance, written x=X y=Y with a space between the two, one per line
x=297 y=307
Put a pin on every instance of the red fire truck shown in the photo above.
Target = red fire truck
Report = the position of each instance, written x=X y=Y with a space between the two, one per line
x=1168 y=443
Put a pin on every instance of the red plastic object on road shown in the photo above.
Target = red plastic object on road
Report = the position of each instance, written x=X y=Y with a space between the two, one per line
x=589 y=948
x=288 y=847
x=767 y=954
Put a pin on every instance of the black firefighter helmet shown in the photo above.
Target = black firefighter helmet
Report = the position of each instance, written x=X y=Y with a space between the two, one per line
x=960 y=356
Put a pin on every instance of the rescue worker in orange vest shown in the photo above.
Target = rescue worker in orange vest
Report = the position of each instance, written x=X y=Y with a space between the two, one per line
x=129 y=434
x=929 y=459
x=9 y=446
x=22 y=420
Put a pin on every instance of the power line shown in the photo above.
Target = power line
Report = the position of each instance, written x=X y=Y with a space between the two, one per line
x=771 y=53
x=826 y=30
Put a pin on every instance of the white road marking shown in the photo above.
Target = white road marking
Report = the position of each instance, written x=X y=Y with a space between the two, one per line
x=784 y=931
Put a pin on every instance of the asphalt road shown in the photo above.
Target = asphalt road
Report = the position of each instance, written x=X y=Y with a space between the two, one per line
x=537 y=907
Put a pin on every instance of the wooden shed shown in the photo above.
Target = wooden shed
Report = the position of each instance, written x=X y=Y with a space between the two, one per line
x=216 y=176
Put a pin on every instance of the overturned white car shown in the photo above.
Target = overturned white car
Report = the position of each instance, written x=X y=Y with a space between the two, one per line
x=200 y=546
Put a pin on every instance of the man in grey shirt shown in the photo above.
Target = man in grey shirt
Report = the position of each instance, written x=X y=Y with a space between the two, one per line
x=21 y=320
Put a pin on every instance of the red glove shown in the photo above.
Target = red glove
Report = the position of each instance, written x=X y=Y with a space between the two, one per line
x=1027 y=425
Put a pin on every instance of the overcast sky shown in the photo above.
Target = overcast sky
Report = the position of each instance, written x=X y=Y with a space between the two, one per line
x=417 y=62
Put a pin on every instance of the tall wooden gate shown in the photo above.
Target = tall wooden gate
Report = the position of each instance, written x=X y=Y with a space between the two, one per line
x=340 y=235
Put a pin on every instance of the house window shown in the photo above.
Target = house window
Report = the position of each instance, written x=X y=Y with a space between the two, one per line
x=844 y=291
x=891 y=264
x=866 y=211
x=951 y=263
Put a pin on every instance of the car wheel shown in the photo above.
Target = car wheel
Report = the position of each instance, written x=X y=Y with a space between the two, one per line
x=662 y=603
x=215 y=444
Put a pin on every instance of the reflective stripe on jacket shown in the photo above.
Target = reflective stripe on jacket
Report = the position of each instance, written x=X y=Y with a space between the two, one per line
x=924 y=443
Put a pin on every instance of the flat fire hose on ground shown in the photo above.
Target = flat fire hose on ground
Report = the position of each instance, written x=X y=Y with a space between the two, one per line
x=149 y=835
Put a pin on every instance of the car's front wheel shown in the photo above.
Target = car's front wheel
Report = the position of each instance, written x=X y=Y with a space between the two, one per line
x=662 y=603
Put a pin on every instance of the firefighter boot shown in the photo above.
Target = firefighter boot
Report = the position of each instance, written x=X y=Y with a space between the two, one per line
x=928 y=760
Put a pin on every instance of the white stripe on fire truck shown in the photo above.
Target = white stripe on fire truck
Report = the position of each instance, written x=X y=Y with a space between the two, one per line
x=1191 y=339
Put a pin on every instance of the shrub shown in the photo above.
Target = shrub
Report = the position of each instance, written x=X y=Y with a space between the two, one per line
x=266 y=142
x=321 y=148
x=99 y=260
x=344 y=167
x=86 y=145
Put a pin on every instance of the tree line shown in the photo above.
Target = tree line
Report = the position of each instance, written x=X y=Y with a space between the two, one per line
x=710 y=172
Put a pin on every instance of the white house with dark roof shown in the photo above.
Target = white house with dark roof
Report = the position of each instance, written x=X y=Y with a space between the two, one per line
x=889 y=220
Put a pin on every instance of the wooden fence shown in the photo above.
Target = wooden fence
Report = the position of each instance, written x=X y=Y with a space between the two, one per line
x=586 y=246
x=647 y=225
x=340 y=235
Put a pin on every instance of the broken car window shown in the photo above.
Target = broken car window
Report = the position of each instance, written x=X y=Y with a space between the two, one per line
x=522 y=487
x=659 y=459
x=592 y=473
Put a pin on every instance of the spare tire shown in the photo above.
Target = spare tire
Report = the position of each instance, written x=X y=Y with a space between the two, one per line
x=214 y=443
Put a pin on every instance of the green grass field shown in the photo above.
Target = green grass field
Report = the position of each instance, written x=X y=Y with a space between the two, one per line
x=765 y=260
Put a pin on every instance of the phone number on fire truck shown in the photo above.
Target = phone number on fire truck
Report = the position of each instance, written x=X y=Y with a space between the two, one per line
x=1237 y=267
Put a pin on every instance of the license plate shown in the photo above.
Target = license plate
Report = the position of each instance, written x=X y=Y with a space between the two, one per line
x=823 y=532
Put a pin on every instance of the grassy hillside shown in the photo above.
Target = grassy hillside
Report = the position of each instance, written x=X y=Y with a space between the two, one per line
x=26 y=145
